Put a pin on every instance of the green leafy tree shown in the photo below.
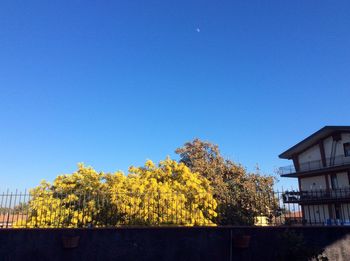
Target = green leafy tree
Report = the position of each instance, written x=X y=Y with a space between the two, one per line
x=241 y=196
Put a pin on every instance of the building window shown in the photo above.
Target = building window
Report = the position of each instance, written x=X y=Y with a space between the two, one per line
x=347 y=149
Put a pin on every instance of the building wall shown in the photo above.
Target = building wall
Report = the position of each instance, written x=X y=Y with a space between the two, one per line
x=316 y=213
x=311 y=159
x=327 y=144
x=320 y=213
x=345 y=209
x=345 y=137
x=343 y=180
x=309 y=156
x=313 y=183
x=319 y=182
x=339 y=148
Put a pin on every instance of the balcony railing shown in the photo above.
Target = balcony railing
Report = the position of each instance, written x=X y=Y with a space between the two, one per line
x=316 y=165
x=316 y=195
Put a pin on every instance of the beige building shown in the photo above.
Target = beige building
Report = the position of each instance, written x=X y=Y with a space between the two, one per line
x=321 y=163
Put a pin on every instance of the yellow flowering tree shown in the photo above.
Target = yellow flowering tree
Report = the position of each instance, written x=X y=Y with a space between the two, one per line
x=166 y=194
x=73 y=200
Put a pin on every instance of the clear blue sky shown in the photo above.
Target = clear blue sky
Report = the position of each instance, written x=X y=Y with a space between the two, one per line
x=113 y=83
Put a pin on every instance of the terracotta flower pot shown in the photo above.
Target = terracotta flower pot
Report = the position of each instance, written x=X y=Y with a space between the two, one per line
x=70 y=241
x=241 y=241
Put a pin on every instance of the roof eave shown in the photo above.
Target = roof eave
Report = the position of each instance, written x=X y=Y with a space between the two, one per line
x=288 y=154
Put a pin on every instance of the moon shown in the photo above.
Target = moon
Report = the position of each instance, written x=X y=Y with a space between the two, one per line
x=198 y=30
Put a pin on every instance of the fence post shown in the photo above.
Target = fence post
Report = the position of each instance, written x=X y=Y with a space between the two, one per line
x=8 y=212
x=158 y=208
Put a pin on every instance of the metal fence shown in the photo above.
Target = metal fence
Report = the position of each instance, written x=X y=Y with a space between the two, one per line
x=91 y=209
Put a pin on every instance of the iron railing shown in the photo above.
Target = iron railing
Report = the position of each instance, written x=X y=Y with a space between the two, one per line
x=315 y=165
x=95 y=209
x=286 y=170
x=320 y=195
x=87 y=210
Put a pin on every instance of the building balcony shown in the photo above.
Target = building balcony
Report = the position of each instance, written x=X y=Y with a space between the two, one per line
x=337 y=161
x=317 y=196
